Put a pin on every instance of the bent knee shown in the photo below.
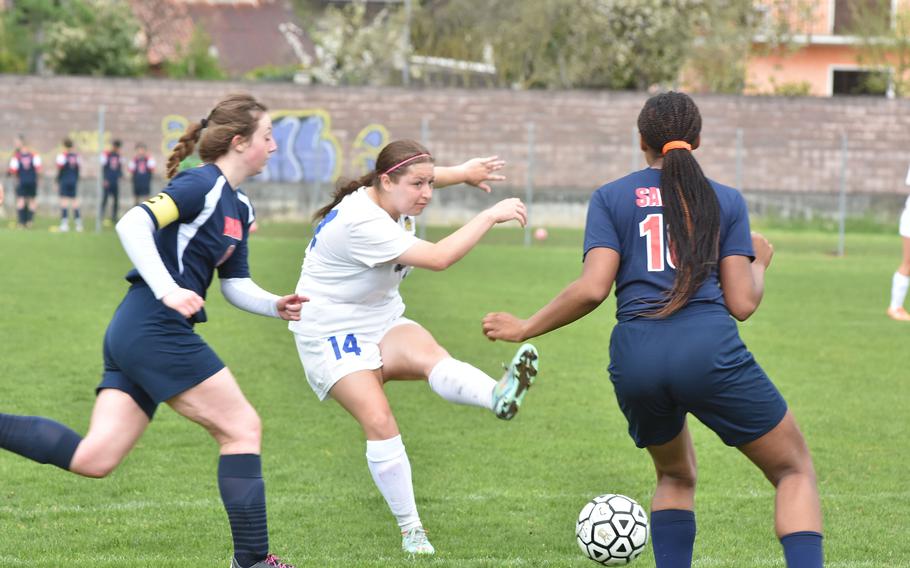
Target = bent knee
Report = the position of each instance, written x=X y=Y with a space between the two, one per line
x=379 y=425
x=245 y=428
x=683 y=476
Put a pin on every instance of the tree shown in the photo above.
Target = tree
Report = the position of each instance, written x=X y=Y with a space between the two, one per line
x=884 y=44
x=354 y=48
x=94 y=37
x=196 y=59
x=24 y=30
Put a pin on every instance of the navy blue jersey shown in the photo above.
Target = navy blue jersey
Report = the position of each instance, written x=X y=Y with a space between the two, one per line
x=626 y=215
x=25 y=166
x=208 y=230
x=68 y=168
x=113 y=167
x=142 y=168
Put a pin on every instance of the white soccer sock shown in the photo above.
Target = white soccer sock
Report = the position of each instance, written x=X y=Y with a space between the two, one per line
x=461 y=383
x=899 y=285
x=391 y=472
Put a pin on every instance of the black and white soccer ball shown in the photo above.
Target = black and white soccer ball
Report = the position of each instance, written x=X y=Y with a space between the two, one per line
x=612 y=529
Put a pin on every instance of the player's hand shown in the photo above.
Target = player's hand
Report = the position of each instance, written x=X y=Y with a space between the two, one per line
x=184 y=301
x=504 y=326
x=289 y=307
x=763 y=249
x=478 y=171
x=511 y=209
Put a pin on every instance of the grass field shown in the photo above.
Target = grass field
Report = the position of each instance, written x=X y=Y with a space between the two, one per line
x=491 y=493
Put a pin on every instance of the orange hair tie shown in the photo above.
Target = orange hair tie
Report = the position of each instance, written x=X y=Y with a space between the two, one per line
x=675 y=145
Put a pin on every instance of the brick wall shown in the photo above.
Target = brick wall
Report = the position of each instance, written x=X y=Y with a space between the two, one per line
x=581 y=138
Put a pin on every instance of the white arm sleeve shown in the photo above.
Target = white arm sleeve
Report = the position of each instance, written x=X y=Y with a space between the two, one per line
x=248 y=296
x=137 y=234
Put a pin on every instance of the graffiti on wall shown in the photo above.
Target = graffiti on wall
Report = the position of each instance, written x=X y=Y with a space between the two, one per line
x=307 y=150
x=367 y=145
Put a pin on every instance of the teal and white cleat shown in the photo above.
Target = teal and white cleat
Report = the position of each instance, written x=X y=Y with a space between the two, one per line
x=514 y=385
x=415 y=541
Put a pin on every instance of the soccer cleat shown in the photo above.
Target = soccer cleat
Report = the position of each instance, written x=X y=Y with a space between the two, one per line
x=64 y=226
x=415 y=541
x=271 y=561
x=899 y=314
x=79 y=227
x=512 y=388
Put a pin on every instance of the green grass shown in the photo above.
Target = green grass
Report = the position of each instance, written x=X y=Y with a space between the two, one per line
x=492 y=493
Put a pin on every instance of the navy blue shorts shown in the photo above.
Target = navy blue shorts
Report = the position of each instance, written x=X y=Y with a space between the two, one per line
x=152 y=353
x=67 y=189
x=693 y=362
x=26 y=189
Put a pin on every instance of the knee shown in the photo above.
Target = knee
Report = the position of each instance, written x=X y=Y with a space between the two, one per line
x=244 y=429
x=684 y=476
x=379 y=425
x=96 y=467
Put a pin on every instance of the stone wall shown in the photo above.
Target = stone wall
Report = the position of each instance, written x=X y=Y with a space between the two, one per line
x=784 y=153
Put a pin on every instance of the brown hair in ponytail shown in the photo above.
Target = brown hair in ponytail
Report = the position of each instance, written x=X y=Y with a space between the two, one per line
x=690 y=204
x=235 y=115
x=393 y=154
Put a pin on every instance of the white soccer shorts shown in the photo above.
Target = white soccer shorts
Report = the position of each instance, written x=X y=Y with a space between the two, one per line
x=327 y=360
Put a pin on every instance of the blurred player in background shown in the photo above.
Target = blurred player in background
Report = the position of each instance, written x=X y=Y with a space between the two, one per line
x=69 y=165
x=26 y=167
x=152 y=354
x=111 y=172
x=353 y=336
x=679 y=250
x=901 y=279
x=141 y=167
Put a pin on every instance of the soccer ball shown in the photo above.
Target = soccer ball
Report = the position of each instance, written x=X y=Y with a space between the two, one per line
x=612 y=529
x=541 y=234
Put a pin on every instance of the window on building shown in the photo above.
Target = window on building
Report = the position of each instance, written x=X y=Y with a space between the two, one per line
x=860 y=82
x=852 y=15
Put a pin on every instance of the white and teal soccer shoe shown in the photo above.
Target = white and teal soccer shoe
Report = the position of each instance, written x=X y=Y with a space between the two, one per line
x=514 y=385
x=414 y=541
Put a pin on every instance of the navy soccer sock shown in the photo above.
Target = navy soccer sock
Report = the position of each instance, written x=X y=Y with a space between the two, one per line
x=243 y=494
x=76 y=213
x=22 y=215
x=802 y=549
x=29 y=214
x=673 y=537
x=38 y=439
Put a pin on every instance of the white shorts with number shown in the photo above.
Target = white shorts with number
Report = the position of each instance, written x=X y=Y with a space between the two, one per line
x=905 y=220
x=327 y=360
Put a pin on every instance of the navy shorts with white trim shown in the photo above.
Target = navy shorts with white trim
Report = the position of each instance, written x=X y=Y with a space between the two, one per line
x=152 y=353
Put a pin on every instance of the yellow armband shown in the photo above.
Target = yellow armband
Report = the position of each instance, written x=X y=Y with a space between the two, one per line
x=163 y=209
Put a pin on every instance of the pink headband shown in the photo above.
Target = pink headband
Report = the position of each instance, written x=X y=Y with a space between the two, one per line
x=399 y=164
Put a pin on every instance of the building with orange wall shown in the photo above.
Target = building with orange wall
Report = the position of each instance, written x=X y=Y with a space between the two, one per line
x=821 y=54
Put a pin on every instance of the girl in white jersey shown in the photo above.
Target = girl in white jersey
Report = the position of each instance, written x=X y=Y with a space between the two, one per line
x=355 y=336
x=901 y=279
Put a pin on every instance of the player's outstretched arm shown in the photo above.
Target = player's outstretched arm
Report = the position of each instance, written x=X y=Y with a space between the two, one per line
x=476 y=172
x=577 y=300
x=245 y=294
x=742 y=281
x=448 y=251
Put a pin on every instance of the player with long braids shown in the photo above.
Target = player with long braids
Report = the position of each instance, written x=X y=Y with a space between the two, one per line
x=679 y=250
x=176 y=241
x=353 y=336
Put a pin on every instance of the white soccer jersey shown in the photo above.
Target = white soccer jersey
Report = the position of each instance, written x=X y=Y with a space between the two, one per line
x=347 y=272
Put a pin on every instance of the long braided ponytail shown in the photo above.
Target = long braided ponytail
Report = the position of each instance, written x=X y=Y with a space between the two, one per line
x=690 y=204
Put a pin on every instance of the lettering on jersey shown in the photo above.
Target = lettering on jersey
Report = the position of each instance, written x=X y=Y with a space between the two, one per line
x=163 y=208
x=648 y=197
x=227 y=254
x=233 y=228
